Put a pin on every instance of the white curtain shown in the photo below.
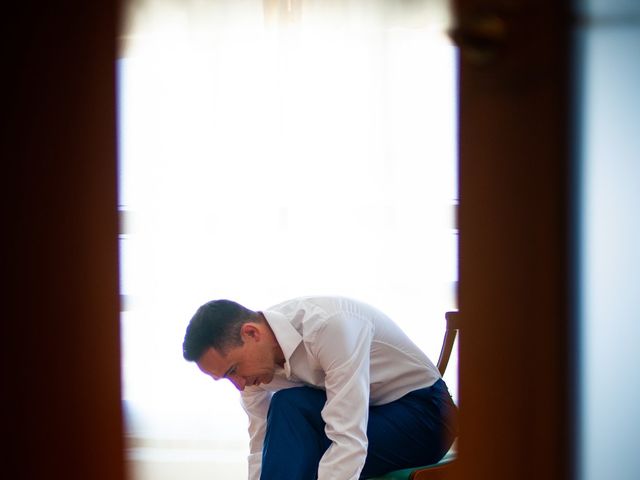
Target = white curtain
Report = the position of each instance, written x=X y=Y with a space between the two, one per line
x=268 y=150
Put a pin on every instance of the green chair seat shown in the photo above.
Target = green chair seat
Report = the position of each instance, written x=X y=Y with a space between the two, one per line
x=405 y=473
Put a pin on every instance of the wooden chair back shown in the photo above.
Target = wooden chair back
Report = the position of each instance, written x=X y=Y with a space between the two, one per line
x=453 y=319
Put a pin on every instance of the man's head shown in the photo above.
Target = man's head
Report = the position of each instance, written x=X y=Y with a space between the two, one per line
x=227 y=340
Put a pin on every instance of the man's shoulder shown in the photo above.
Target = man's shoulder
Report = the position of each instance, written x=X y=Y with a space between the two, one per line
x=326 y=302
x=308 y=314
x=314 y=312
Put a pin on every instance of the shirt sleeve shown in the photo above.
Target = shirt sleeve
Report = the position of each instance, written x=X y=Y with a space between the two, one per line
x=256 y=404
x=342 y=348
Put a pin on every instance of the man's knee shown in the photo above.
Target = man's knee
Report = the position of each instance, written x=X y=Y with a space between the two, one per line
x=297 y=399
x=295 y=439
x=288 y=396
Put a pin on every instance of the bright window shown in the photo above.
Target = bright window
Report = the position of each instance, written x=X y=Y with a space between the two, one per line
x=270 y=150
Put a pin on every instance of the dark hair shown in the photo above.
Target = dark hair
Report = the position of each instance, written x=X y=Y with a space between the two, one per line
x=215 y=324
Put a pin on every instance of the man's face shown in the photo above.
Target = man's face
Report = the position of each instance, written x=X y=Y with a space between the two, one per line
x=252 y=363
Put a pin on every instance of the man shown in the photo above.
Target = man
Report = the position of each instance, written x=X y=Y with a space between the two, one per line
x=334 y=390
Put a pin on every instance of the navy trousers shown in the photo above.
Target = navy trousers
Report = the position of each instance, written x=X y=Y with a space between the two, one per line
x=417 y=429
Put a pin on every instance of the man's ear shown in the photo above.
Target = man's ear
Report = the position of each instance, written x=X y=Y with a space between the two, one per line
x=250 y=331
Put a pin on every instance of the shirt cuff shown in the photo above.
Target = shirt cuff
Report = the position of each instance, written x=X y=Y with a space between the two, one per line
x=255 y=465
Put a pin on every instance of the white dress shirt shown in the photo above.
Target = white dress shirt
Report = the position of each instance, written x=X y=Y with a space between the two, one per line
x=353 y=352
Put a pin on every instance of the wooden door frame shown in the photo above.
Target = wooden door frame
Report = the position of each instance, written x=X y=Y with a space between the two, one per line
x=61 y=343
x=516 y=349
x=61 y=359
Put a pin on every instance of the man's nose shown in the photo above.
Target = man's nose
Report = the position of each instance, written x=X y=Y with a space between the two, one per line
x=238 y=382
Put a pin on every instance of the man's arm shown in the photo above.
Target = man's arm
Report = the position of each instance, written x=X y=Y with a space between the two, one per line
x=342 y=347
x=256 y=404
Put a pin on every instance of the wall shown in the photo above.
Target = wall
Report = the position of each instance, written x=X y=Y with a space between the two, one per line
x=608 y=75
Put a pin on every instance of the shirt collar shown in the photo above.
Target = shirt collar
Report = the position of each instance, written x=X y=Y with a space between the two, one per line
x=287 y=336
